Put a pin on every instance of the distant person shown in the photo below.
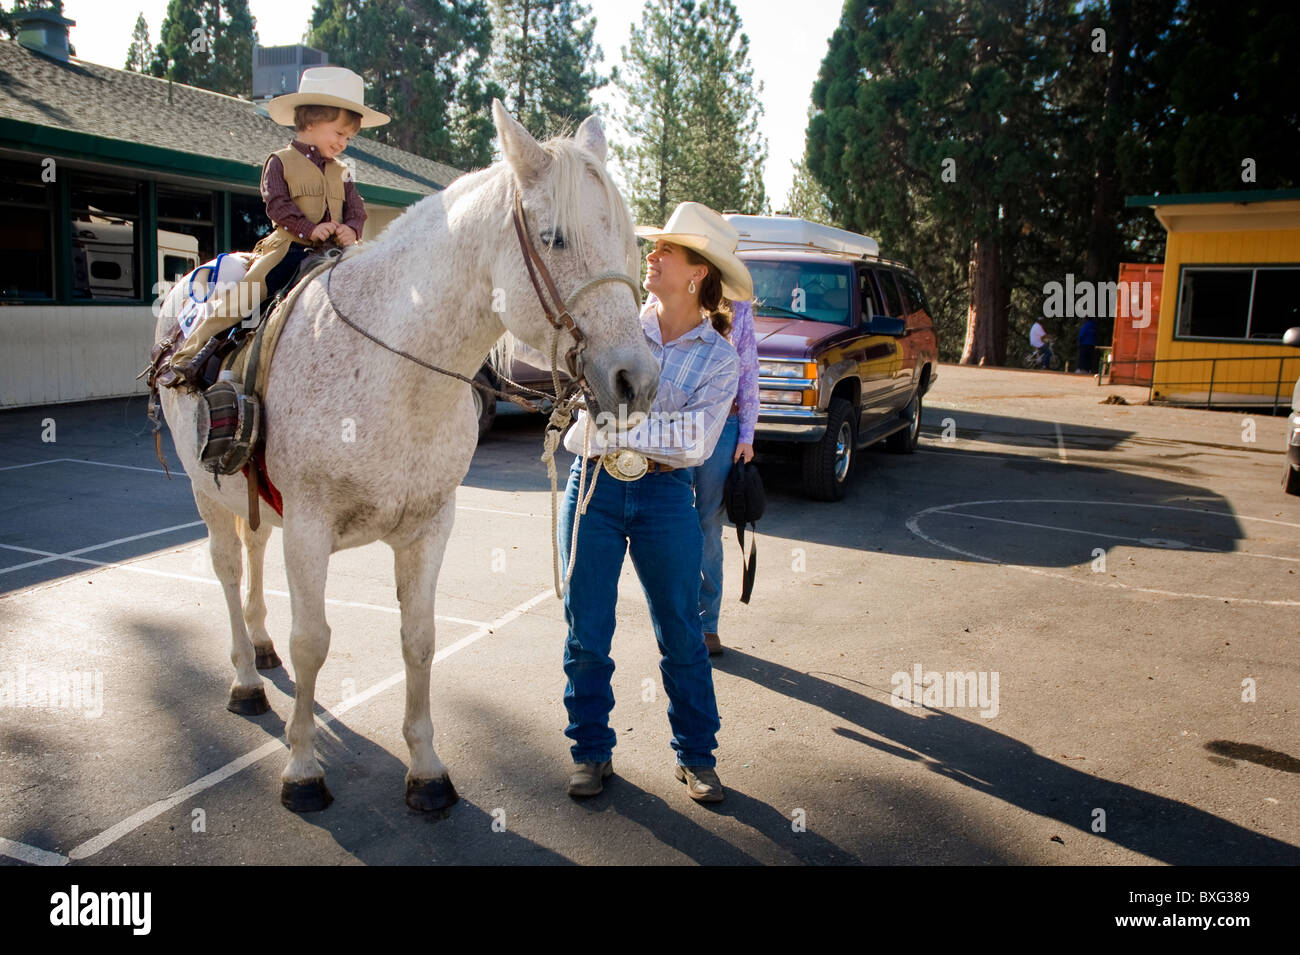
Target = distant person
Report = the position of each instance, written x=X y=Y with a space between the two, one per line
x=1041 y=342
x=1088 y=348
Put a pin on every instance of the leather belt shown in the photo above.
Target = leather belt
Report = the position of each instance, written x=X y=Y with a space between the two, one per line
x=652 y=467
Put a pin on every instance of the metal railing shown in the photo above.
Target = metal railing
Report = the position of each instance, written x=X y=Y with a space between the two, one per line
x=1281 y=384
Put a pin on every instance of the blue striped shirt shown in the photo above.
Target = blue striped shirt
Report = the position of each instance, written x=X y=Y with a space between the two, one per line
x=697 y=384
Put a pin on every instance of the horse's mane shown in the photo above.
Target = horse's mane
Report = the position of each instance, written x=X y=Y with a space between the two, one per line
x=570 y=164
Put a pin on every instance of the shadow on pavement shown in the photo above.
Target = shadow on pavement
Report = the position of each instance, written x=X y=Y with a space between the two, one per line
x=971 y=753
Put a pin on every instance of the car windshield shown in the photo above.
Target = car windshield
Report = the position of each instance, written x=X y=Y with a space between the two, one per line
x=815 y=291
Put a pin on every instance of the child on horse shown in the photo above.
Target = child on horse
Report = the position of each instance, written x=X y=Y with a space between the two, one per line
x=310 y=199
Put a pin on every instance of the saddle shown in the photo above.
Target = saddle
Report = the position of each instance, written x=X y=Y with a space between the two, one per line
x=235 y=366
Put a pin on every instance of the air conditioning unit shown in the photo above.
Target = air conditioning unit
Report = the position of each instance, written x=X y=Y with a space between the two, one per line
x=788 y=233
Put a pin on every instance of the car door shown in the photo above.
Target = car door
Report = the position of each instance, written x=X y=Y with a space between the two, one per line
x=901 y=371
x=880 y=353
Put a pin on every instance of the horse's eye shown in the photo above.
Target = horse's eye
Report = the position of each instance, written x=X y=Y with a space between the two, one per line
x=553 y=238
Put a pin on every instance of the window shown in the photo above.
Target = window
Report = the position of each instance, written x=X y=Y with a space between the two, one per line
x=1247 y=303
x=26 y=232
x=870 y=294
x=893 y=303
x=913 y=293
x=248 y=222
x=813 y=291
x=185 y=224
x=105 y=238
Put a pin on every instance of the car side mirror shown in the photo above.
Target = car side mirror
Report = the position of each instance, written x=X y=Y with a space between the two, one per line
x=1292 y=337
x=884 y=325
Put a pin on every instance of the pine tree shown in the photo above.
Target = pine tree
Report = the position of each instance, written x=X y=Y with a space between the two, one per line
x=807 y=199
x=929 y=131
x=138 y=54
x=209 y=44
x=423 y=62
x=544 y=57
x=692 y=111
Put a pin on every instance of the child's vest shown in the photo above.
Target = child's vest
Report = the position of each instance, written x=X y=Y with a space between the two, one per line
x=312 y=190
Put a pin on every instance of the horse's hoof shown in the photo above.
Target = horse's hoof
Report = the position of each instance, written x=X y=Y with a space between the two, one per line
x=310 y=795
x=249 y=701
x=430 y=795
x=267 y=659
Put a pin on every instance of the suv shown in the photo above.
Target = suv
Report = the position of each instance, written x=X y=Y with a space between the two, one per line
x=846 y=346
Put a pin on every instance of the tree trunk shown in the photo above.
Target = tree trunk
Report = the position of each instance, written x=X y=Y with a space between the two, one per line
x=986 y=318
x=1103 y=237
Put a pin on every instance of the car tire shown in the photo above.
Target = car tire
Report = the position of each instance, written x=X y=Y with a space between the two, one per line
x=905 y=441
x=485 y=405
x=828 y=464
x=1291 y=480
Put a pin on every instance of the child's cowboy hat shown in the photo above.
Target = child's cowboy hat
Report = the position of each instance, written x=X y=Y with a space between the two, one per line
x=698 y=227
x=326 y=86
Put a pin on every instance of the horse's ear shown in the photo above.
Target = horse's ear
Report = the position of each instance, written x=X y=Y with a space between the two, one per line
x=529 y=161
x=591 y=137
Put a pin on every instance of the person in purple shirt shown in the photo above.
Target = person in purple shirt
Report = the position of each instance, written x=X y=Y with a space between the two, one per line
x=735 y=444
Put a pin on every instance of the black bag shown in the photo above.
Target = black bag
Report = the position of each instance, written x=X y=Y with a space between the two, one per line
x=745 y=501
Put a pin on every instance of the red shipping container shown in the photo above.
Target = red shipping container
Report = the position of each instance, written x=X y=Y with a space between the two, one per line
x=1134 y=348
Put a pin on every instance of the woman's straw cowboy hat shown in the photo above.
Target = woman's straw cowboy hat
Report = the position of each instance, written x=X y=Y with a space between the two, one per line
x=698 y=227
x=326 y=86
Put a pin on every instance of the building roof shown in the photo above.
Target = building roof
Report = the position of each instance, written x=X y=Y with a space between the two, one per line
x=1241 y=197
x=95 y=112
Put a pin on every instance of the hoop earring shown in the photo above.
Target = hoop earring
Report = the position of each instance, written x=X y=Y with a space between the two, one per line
x=691 y=288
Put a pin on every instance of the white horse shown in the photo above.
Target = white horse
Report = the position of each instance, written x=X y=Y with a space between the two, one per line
x=365 y=445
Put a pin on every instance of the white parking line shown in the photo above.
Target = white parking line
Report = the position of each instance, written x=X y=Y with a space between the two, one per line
x=30 y=854
x=69 y=555
x=99 y=464
x=135 y=821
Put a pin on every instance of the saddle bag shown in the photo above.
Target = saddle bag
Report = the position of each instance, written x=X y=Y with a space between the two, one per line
x=229 y=427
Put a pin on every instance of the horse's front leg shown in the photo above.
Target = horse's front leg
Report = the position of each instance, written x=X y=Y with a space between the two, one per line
x=307 y=543
x=428 y=786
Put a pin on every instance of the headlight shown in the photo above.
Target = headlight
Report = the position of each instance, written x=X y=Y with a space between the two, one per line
x=781 y=369
x=773 y=397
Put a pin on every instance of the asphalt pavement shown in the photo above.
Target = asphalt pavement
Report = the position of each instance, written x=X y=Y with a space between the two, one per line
x=1094 y=606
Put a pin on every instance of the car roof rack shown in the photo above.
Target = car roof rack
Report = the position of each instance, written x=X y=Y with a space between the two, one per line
x=810 y=250
x=789 y=233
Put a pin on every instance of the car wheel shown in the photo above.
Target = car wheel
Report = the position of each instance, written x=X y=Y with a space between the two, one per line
x=485 y=405
x=828 y=464
x=905 y=441
x=1291 y=480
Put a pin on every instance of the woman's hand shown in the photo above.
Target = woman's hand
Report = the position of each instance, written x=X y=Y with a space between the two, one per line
x=322 y=231
x=345 y=236
x=745 y=451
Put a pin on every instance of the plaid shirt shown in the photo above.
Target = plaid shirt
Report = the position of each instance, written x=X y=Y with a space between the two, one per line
x=697 y=384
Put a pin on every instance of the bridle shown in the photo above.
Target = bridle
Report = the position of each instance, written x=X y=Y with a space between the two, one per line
x=555 y=307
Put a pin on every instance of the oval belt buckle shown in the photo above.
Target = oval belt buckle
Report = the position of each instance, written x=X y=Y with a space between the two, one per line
x=626 y=465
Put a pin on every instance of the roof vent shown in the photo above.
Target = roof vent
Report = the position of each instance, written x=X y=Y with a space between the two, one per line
x=44 y=31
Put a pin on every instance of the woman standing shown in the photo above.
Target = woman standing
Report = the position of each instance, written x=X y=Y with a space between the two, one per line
x=643 y=504
x=735 y=444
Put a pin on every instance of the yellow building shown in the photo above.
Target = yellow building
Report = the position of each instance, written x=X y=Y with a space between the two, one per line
x=1231 y=288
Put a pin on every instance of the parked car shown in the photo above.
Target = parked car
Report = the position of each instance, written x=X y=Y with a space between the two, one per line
x=846 y=345
x=1291 y=476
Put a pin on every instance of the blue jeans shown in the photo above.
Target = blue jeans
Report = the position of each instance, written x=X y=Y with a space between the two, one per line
x=654 y=519
x=710 y=477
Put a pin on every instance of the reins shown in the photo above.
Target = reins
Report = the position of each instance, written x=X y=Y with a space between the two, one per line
x=566 y=399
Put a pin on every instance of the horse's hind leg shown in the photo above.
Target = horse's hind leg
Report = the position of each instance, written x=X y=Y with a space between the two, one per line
x=254 y=599
x=428 y=786
x=306 y=559
x=247 y=695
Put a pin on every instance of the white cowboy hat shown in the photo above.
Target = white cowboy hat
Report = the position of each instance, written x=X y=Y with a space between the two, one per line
x=326 y=86
x=696 y=226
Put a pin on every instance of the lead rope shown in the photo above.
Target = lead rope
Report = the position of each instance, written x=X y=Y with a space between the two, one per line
x=561 y=417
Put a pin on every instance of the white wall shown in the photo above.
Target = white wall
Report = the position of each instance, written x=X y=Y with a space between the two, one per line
x=57 y=353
